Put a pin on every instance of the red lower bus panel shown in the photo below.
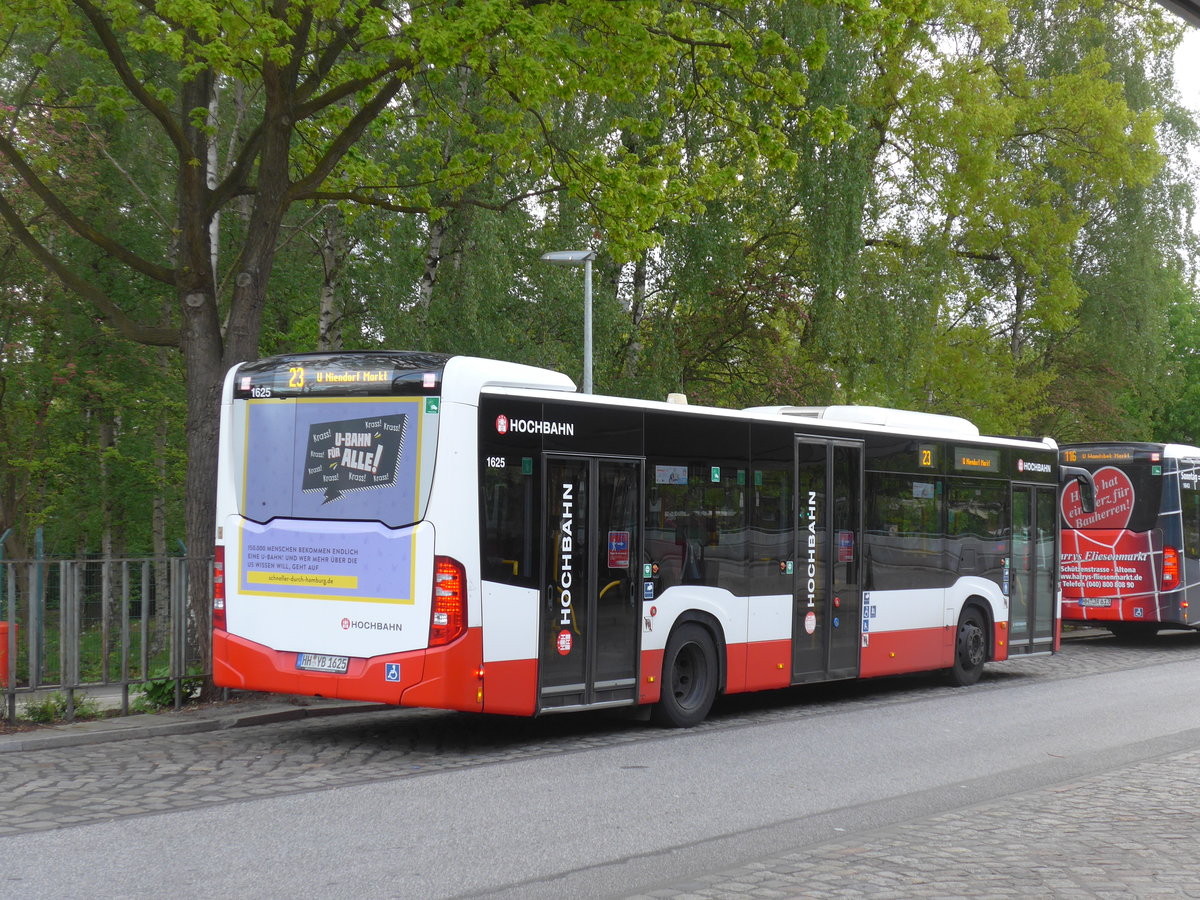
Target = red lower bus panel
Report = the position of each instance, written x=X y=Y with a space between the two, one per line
x=453 y=676
x=239 y=663
x=1000 y=642
x=651 y=688
x=510 y=687
x=443 y=678
x=761 y=666
x=894 y=652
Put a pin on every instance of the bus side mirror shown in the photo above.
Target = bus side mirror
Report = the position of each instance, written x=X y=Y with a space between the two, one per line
x=1087 y=494
x=1087 y=487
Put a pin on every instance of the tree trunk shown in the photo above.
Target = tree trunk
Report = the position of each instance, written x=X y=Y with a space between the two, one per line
x=158 y=630
x=1018 y=334
x=201 y=344
x=433 y=259
x=637 y=311
x=208 y=354
x=109 y=592
x=333 y=258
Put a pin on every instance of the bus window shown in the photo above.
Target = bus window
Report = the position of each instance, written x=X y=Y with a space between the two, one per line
x=903 y=532
x=771 y=530
x=508 y=553
x=1190 y=503
x=695 y=524
x=977 y=527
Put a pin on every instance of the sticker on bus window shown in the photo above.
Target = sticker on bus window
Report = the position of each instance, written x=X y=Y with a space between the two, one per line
x=563 y=642
x=670 y=474
x=618 y=549
x=845 y=546
x=353 y=455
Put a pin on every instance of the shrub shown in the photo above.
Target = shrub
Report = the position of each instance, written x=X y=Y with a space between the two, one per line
x=159 y=692
x=53 y=708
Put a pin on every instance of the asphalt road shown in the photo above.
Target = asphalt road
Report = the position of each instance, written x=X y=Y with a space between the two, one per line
x=773 y=794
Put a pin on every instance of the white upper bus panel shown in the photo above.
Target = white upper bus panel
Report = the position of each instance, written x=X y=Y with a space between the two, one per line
x=900 y=419
x=467 y=376
x=1181 y=451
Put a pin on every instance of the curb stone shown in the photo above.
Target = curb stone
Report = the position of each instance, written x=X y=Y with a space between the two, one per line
x=147 y=725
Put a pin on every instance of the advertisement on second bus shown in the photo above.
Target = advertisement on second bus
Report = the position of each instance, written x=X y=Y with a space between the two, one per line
x=1110 y=560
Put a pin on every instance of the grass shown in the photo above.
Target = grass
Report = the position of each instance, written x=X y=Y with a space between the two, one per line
x=97 y=664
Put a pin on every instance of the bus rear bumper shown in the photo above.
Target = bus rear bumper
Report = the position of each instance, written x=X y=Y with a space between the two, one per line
x=443 y=678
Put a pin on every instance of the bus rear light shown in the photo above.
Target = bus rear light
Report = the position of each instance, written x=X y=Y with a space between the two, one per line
x=1170 y=569
x=448 y=617
x=218 y=577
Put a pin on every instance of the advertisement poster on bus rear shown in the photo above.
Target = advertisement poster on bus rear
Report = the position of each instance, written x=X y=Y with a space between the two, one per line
x=348 y=469
x=1108 y=570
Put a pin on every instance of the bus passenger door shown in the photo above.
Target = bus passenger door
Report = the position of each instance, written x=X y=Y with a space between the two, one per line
x=1032 y=585
x=827 y=623
x=591 y=605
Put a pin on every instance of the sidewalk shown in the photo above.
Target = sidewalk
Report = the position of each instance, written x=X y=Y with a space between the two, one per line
x=239 y=712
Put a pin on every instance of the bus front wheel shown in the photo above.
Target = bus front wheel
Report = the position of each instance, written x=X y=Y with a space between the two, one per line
x=689 y=678
x=970 y=648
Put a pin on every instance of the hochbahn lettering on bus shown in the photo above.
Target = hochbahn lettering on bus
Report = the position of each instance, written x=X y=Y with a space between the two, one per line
x=504 y=425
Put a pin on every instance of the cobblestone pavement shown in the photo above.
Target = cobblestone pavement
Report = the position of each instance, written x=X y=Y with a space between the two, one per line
x=1127 y=833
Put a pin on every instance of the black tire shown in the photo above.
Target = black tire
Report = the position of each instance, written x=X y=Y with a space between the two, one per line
x=970 y=648
x=689 y=678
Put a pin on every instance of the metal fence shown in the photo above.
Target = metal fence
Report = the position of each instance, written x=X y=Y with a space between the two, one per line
x=98 y=628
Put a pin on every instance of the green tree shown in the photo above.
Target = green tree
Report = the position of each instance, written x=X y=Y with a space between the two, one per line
x=343 y=103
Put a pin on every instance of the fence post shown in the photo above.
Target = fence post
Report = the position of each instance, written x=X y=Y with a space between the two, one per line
x=12 y=641
x=179 y=627
x=10 y=686
x=105 y=610
x=145 y=625
x=8 y=576
x=37 y=603
x=64 y=604
x=125 y=637
x=173 y=570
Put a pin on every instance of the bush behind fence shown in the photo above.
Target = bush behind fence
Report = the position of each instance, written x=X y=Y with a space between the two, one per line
x=111 y=625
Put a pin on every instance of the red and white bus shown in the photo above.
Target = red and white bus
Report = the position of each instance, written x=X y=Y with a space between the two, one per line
x=445 y=531
x=1132 y=563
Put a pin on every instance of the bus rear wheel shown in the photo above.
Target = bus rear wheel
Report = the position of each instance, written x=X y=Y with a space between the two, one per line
x=970 y=648
x=1133 y=632
x=689 y=678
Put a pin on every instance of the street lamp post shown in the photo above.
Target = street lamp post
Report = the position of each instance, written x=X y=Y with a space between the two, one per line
x=580 y=258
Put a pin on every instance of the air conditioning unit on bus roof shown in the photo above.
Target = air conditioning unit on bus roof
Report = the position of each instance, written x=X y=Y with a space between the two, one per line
x=900 y=419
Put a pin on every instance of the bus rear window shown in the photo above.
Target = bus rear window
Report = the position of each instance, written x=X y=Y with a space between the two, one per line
x=347 y=458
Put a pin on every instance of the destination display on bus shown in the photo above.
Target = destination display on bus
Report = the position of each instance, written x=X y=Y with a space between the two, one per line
x=335 y=374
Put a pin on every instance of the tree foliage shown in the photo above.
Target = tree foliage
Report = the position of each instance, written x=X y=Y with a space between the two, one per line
x=971 y=208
